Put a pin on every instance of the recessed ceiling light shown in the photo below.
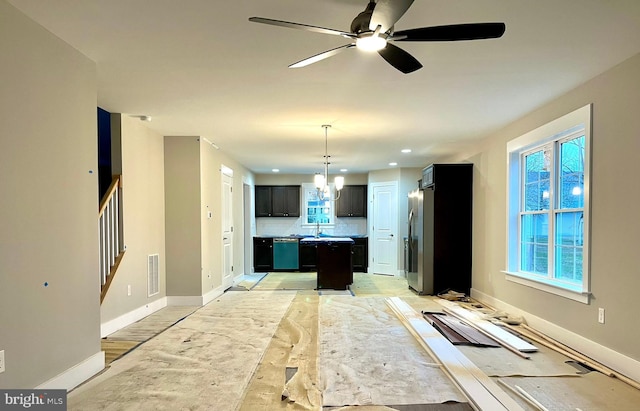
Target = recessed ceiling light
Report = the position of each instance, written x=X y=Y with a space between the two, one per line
x=406 y=150
x=393 y=164
x=275 y=170
x=343 y=170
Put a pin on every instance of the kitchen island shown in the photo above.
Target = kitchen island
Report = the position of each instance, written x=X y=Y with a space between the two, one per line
x=334 y=261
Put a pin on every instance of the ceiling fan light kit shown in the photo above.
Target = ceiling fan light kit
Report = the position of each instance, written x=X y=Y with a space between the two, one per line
x=370 y=42
x=322 y=181
x=373 y=30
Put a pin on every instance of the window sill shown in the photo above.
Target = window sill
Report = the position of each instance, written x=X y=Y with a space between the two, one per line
x=313 y=225
x=549 y=287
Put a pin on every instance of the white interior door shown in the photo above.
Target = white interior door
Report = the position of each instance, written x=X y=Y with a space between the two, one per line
x=385 y=228
x=227 y=227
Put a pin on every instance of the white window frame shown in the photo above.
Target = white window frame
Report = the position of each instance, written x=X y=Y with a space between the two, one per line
x=308 y=188
x=578 y=121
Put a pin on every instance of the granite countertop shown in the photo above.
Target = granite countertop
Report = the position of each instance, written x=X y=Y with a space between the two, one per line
x=321 y=237
x=327 y=240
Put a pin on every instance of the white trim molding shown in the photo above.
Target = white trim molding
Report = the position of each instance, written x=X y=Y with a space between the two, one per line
x=75 y=375
x=131 y=317
x=196 y=300
x=539 y=284
x=212 y=295
x=569 y=126
x=185 y=300
x=626 y=366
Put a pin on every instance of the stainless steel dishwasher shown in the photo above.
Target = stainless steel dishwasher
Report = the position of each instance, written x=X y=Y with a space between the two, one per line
x=285 y=254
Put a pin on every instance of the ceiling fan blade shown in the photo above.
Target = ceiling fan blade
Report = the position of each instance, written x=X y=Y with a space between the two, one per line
x=454 y=32
x=387 y=13
x=400 y=59
x=321 y=56
x=300 y=26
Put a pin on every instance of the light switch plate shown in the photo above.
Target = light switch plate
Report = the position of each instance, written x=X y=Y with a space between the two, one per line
x=601 y=315
x=2 y=361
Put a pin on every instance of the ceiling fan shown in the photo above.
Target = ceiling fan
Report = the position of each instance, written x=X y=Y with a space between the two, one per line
x=372 y=30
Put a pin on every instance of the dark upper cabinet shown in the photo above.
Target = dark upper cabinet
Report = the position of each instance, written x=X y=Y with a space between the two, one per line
x=352 y=202
x=263 y=201
x=277 y=201
x=285 y=201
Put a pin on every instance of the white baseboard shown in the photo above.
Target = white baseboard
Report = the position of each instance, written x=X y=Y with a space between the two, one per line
x=185 y=300
x=212 y=295
x=131 y=317
x=76 y=375
x=619 y=362
x=197 y=300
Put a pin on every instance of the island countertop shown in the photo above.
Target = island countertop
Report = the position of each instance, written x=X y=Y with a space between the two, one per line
x=327 y=240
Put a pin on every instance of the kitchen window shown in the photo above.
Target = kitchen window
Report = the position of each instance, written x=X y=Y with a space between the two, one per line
x=548 y=203
x=317 y=211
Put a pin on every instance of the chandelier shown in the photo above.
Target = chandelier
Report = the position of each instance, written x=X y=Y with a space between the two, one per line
x=322 y=181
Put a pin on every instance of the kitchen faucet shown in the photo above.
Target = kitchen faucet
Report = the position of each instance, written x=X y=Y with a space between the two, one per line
x=318 y=229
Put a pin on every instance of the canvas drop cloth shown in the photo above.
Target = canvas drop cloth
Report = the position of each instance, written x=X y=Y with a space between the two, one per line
x=202 y=363
x=367 y=357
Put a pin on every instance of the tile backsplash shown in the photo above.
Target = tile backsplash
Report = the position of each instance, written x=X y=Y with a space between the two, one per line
x=283 y=226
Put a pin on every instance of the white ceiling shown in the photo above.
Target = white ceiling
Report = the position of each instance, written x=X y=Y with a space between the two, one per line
x=200 y=68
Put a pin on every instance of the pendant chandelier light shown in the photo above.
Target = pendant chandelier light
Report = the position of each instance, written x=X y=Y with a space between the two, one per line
x=322 y=181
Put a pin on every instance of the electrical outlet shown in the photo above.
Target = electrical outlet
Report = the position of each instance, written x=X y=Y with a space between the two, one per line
x=601 y=315
x=1 y=361
x=129 y=290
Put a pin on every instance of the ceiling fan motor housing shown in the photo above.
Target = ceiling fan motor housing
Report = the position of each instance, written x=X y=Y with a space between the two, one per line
x=361 y=22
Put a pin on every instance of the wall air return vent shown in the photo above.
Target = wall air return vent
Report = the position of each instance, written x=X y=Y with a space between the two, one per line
x=153 y=281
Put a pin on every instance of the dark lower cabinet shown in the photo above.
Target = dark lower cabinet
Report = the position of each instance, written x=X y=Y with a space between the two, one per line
x=360 y=255
x=262 y=254
x=335 y=265
x=308 y=257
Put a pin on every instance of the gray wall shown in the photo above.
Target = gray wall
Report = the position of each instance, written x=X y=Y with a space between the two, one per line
x=193 y=184
x=143 y=213
x=615 y=195
x=182 y=206
x=49 y=211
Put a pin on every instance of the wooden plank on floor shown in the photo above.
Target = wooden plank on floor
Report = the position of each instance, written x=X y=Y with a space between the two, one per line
x=482 y=392
x=470 y=333
x=500 y=334
x=453 y=336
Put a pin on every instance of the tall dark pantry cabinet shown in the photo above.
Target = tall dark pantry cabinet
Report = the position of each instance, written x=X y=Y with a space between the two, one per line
x=438 y=246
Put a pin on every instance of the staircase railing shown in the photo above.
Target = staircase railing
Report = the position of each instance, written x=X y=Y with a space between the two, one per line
x=111 y=234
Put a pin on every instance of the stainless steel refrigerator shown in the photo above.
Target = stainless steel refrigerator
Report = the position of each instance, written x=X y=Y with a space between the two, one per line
x=438 y=245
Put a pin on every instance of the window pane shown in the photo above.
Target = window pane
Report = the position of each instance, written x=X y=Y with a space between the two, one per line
x=572 y=173
x=536 y=181
x=568 y=246
x=317 y=211
x=534 y=240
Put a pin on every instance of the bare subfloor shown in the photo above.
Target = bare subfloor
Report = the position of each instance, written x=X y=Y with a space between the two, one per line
x=283 y=345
